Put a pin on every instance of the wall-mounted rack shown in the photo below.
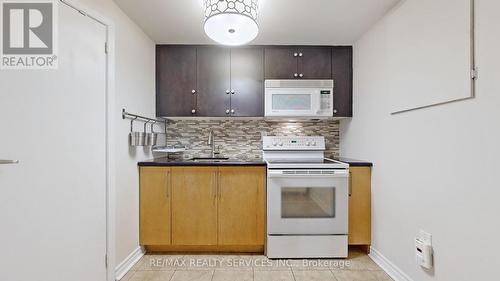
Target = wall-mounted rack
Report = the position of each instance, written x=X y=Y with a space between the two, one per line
x=126 y=114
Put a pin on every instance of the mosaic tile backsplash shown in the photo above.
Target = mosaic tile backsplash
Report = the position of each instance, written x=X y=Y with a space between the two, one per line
x=242 y=139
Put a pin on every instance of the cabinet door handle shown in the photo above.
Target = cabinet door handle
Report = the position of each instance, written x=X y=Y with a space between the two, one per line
x=6 y=162
x=295 y=75
x=300 y=54
x=232 y=92
x=214 y=187
x=350 y=183
x=193 y=111
x=301 y=75
x=218 y=187
x=227 y=92
x=193 y=92
x=295 y=54
x=232 y=110
x=167 y=185
x=227 y=111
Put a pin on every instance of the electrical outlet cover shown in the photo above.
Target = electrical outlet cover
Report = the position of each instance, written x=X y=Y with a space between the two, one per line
x=425 y=237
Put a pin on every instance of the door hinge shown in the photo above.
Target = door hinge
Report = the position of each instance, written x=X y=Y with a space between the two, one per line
x=105 y=47
x=106 y=260
x=474 y=73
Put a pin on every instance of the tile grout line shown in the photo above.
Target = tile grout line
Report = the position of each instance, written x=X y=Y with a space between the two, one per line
x=293 y=274
x=333 y=274
x=171 y=277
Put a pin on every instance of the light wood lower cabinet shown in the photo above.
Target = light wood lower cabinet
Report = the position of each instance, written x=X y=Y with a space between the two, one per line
x=203 y=208
x=154 y=206
x=241 y=206
x=360 y=206
x=194 y=205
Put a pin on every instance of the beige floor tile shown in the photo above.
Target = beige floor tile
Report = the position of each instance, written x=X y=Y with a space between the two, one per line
x=273 y=264
x=233 y=275
x=382 y=276
x=260 y=262
x=341 y=264
x=128 y=276
x=152 y=276
x=313 y=275
x=273 y=275
x=192 y=275
x=233 y=262
x=138 y=265
x=311 y=264
x=161 y=262
x=354 y=275
x=201 y=262
x=363 y=263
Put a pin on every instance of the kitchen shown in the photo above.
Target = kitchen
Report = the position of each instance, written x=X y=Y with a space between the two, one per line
x=199 y=151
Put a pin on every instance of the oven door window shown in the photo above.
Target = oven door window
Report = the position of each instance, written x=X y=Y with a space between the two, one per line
x=307 y=202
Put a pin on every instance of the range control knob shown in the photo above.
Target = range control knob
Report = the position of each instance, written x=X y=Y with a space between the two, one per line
x=275 y=143
x=308 y=143
x=280 y=144
x=313 y=143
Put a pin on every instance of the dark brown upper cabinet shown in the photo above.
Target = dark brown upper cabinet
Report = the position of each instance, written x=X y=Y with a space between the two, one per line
x=247 y=82
x=280 y=63
x=175 y=80
x=315 y=62
x=342 y=79
x=298 y=62
x=213 y=80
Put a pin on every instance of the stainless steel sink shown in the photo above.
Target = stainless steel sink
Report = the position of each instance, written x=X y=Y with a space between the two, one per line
x=208 y=159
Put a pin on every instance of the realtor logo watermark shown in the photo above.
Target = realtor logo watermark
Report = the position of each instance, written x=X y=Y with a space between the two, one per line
x=29 y=34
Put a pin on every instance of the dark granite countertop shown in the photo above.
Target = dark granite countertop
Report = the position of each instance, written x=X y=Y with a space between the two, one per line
x=164 y=161
x=354 y=162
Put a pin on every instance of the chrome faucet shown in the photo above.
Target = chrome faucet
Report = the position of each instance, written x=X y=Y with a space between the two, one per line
x=211 y=141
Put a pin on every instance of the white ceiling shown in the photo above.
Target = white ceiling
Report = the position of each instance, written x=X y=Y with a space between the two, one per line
x=315 y=22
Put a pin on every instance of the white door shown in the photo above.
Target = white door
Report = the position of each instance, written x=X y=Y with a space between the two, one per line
x=53 y=202
x=307 y=201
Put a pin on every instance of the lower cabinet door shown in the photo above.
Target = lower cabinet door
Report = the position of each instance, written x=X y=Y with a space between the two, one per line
x=154 y=212
x=194 y=205
x=360 y=206
x=241 y=206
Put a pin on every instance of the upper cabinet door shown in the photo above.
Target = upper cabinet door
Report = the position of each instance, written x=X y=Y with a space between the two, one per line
x=175 y=80
x=342 y=76
x=213 y=75
x=281 y=63
x=315 y=62
x=247 y=82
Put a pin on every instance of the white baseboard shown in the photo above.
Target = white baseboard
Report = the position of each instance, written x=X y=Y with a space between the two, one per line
x=390 y=268
x=128 y=263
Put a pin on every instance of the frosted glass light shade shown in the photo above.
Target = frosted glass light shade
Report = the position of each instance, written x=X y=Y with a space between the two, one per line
x=231 y=22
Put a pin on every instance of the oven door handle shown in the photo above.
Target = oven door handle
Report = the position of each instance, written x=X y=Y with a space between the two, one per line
x=281 y=174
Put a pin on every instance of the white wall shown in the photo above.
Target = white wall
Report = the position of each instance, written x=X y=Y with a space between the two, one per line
x=135 y=91
x=434 y=169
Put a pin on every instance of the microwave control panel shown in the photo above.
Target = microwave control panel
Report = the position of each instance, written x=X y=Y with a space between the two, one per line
x=293 y=143
x=326 y=100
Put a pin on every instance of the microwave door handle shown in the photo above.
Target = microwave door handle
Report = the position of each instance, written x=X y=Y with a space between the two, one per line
x=317 y=103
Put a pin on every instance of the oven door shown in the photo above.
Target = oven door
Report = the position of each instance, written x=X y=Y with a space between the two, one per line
x=302 y=202
x=292 y=102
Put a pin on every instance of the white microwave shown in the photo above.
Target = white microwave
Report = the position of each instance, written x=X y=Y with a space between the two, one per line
x=298 y=99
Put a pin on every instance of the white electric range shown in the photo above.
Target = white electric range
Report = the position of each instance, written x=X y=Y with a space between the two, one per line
x=307 y=199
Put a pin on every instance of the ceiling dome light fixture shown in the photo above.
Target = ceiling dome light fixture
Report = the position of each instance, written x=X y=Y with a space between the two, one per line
x=231 y=22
